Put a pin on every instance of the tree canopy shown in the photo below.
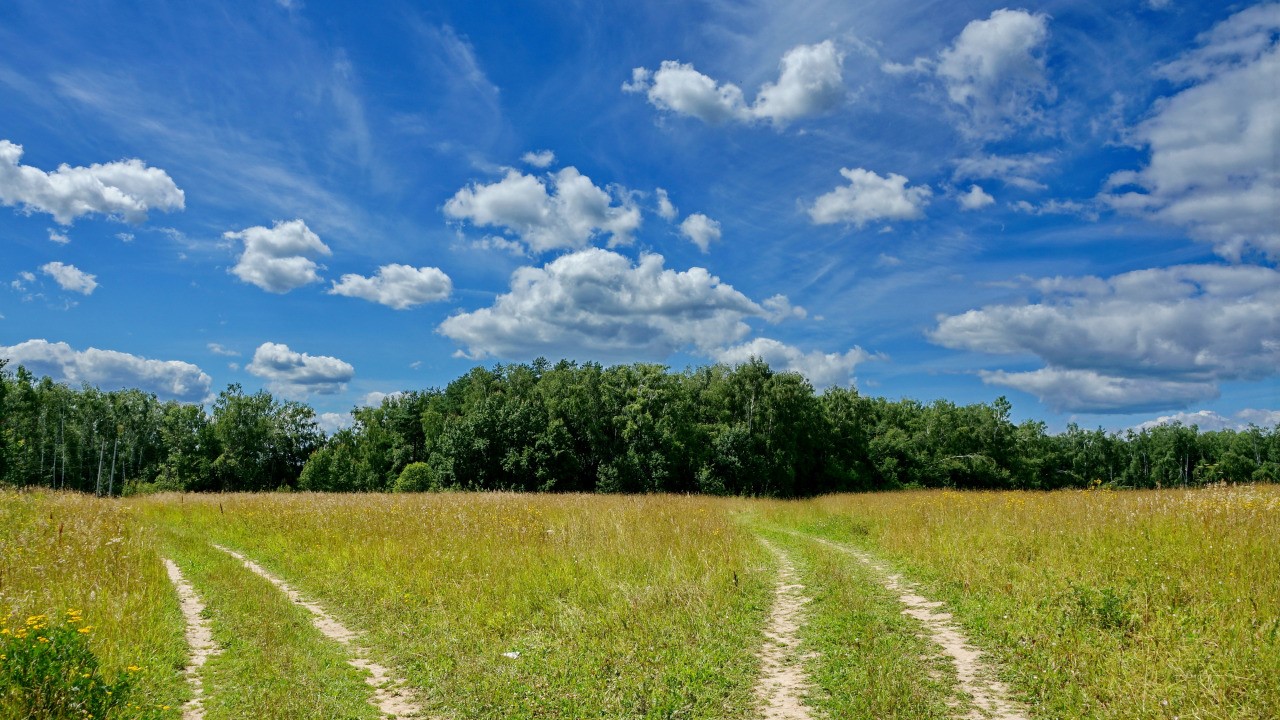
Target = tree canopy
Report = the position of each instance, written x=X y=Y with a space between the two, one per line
x=569 y=427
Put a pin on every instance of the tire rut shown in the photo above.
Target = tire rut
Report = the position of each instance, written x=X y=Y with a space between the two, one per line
x=199 y=637
x=975 y=677
x=783 y=679
x=390 y=694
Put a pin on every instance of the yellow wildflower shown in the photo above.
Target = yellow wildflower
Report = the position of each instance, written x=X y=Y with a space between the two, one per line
x=133 y=668
x=85 y=630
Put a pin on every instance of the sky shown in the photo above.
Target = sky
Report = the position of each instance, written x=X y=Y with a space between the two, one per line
x=1074 y=205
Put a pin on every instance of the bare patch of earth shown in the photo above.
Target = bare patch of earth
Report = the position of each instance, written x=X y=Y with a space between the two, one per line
x=783 y=679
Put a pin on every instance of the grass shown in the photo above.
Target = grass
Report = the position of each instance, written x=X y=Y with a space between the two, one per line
x=1143 y=604
x=1093 y=604
x=867 y=659
x=61 y=552
x=617 y=607
x=273 y=662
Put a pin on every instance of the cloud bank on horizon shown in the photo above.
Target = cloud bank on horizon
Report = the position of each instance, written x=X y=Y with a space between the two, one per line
x=1079 y=209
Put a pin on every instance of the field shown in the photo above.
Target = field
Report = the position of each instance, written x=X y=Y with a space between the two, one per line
x=927 y=604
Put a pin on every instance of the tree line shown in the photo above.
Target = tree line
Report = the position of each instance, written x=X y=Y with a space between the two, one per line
x=569 y=427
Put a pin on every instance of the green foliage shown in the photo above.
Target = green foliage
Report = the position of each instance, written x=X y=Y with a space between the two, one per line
x=48 y=671
x=641 y=428
x=417 y=477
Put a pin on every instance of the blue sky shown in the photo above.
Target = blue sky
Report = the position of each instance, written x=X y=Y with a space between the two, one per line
x=1076 y=205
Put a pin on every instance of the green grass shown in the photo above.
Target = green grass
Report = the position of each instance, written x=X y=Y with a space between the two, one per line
x=868 y=659
x=618 y=607
x=60 y=552
x=1090 y=604
x=274 y=663
x=1144 y=604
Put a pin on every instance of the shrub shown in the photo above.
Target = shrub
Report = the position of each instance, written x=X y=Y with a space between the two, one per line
x=47 y=670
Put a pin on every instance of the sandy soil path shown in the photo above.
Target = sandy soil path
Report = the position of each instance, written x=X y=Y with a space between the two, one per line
x=783 y=679
x=199 y=640
x=390 y=694
x=974 y=675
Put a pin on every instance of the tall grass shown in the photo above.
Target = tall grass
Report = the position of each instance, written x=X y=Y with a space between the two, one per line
x=521 y=606
x=1142 y=604
x=63 y=552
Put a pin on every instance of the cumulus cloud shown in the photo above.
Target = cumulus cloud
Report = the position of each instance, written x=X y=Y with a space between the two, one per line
x=1214 y=144
x=566 y=213
x=60 y=238
x=374 y=398
x=332 y=422
x=297 y=375
x=125 y=190
x=869 y=197
x=111 y=370
x=1088 y=391
x=597 y=303
x=821 y=369
x=701 y=231
x=975 y=199
x=1210 y=420
x=1169 y=332
x=995 y=70
x=666 y=210
x=397 y=286
x=539 y=159
x=219 y=349
x=1261 y=418
x=280 y=258
x=70 y=277
x=809 y=83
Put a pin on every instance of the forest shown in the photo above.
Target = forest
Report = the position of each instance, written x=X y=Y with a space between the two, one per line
x=570 y=427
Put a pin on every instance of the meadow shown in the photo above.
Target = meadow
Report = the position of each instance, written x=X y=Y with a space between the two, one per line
x=1104 y=604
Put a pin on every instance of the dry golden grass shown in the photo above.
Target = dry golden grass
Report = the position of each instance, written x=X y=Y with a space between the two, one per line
x=65 y=551
x=1099 y=604
x=616 y=606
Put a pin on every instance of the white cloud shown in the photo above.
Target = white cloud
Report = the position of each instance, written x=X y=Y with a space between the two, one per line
x=218 y=349
x=809 y=83
x=1056 y=207
x=869 y=197
x=1214 y=145
x=375 y=397
x=701 y=231
x=397 y=286
x=821 y=369
x=1088 y=391
x=1177 y=331
x=995 y=71
x=60 y=238
x=975 y=199
x=1261 y=418
x=569 y=216
x=332 y=422
x=297 y=375
x=596 y=303
x=124 y=237
x=1208 y=420
x=780 y=309
x=71 y=278
x=681 y=89
x=111 y=370
x=126 y=190
x=540 y=159
x=666 y=210
x=1203 y=419
x=1014 y=170
x=280 y=258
